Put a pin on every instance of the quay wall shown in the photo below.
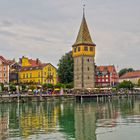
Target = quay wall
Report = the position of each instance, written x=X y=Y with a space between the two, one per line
x=24 y=99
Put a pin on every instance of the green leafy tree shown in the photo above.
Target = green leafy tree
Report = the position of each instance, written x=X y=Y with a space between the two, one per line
x=2 y=86
x=126 y=85
x=65 y=68
x=12 y=87
x=69 y=85
x=59 y=85
x=23 y=87
x=47 y=85
x=139 y=82
x=125 y=70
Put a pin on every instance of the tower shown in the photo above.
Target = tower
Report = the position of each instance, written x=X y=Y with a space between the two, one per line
x=83 y=52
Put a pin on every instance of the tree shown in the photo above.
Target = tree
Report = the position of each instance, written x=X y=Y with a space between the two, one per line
x=125 y=70
x=59 y=85
x=65 y=68
x=47 y=85
x=126 y=85
x=12 y=87
x=139 y=82
x=1 y=86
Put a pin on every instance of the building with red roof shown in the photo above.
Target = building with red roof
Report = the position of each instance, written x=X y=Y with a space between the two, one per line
x=106 y=76
x=25 y=61
x=131 y=76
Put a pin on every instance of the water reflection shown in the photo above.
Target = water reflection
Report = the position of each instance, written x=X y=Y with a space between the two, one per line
x=67 y=120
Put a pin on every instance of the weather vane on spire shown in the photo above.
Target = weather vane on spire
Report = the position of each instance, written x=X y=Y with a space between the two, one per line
x=84 y=5
x=84 y=9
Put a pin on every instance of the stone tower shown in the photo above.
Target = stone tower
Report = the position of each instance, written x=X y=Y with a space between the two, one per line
x=83 y=52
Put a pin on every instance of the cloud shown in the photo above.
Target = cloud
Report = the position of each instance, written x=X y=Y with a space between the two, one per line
x=48 y=29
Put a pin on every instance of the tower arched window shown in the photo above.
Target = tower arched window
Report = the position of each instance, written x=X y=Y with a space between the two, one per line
x=86 y=48
x=79 y=49
x=91 y=49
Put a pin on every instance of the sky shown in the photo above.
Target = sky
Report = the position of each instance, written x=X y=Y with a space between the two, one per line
x=47 y=29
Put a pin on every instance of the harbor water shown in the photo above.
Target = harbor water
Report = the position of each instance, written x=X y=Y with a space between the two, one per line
x=116 y=119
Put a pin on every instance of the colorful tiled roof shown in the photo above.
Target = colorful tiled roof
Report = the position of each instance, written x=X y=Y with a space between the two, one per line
x=134 y=74
x=84 y=35
x=109 y=68
x=9 y=62
x=2 y=58
x=34 y=62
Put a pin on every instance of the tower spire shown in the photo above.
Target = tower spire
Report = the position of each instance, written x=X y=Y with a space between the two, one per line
x=83 y=36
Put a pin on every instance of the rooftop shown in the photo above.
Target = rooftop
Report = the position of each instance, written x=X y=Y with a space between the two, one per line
x=134 y=74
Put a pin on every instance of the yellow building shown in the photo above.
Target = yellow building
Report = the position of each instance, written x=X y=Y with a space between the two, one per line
x=33 y=71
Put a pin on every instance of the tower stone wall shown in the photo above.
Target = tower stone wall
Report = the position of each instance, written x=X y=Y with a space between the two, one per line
x=84 y=72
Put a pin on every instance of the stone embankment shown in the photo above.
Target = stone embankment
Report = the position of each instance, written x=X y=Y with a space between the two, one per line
x=32 y=98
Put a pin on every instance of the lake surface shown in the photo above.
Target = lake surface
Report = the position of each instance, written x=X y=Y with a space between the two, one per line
x=118 y=119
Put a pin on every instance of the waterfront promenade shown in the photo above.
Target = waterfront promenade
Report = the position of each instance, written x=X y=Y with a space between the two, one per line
x=78 y=97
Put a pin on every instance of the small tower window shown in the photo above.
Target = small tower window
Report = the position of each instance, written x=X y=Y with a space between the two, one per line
x=88 y=68
x=79 y=49
x=91 y=49
x=88 y=59
x=85 y=48
x=88 y=77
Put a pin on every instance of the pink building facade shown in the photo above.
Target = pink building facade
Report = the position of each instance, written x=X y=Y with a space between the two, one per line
x=4 y=70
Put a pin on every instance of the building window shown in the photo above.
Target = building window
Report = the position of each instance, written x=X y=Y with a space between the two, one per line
x=26 y=75
x=4 y=74
x=49 y=68
x=106 y=80
x=88 y=60
x=44 y=73
x=79 y=49
x=85 y=48
x=102 y=80
x=74 y=49
x=38 y=74
x=88 y=68
x=23 y=75
x=4 y=68
x=30 y=74
x=91 y=49
x=88 y=77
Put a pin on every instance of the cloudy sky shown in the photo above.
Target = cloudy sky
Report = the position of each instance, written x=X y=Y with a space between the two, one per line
x=47 y=29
